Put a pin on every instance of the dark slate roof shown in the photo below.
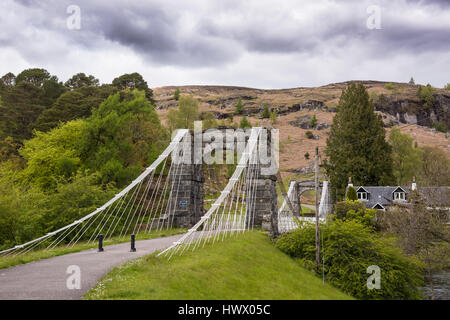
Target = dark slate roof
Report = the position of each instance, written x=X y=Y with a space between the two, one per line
x=382 y=195
x=433 y=196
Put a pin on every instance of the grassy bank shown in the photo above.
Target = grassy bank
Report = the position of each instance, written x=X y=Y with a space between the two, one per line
x=12 y=260
x=247 y=266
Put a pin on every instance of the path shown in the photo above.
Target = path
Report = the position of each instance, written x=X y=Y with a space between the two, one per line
x=46 y=279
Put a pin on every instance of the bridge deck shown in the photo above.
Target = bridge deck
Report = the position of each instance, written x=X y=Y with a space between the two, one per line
x=46 y=279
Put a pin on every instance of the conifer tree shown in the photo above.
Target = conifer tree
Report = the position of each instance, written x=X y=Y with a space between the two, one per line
x=356 y=146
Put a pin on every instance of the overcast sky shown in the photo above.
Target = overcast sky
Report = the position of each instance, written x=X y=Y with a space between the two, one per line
x=254 y=43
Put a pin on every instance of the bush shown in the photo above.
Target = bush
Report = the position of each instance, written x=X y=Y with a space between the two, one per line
x=245 y=123
x=440 y=126
x=355 y=210
x=266 y=112
x=309 y=135
x=348 y=249
x=351 y=194
x=426 y=95
x=389 y=86
x=313 y=122
x=307 y=155
x=447 y=87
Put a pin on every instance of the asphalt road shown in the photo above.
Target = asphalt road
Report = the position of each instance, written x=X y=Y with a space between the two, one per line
x=47 y=279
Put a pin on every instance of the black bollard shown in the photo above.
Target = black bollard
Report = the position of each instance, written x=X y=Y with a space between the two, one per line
x=100 y=243
x=133 y=248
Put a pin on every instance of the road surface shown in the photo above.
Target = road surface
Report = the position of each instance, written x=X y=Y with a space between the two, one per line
x=47 y=278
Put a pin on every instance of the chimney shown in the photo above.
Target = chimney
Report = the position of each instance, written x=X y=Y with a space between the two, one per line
x=350 y=182
x=414 y=185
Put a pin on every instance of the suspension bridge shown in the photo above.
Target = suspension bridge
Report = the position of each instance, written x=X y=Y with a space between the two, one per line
x=167 y=194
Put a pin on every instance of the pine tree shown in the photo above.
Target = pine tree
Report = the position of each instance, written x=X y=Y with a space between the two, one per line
x=356 y=146
x=266 y=112
x=176 y=94
x=239 y=107
x=351 y=194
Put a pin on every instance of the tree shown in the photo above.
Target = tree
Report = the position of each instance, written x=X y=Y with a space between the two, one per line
x=134 y=81
x=176 y=94
x=74 y=104
x=273 y=116
x=406 y=159
x=244 y=123
x=313 y=122
x=81 y=80
x=306 y=155
x=8 y=80
x=208 y=120
x=35 y=76
x=185 y=115
x=239 y=106
x=356 y=146
x=426 y=95
x=447 y=87
x=411 y=81
x=435 y=167
x=266 y=112
x=351 y=194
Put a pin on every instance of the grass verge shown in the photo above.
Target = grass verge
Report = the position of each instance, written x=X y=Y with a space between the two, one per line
x=12 y=260
x=247 y=266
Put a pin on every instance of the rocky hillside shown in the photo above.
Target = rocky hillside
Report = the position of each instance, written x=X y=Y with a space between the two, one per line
x=398 y=103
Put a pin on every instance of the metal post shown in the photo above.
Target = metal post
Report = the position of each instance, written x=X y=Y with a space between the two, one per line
x=133 y=247
x=316 y=188
x=100 y=243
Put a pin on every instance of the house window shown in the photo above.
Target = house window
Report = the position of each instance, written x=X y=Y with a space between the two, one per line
x=399 y=196
x=362 y=196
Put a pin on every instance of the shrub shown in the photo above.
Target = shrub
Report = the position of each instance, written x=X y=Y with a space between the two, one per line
x=307 y=156
x=309 y=135
x=447 y=87
x=313 y=122
x=348 y=249
x=239 y=106
x=266 y=112
x=176 y=94
x=245 y=123
x=440 y=126
x=351 y=194
x=389 y=86
x=426 y=95
x=355 y=210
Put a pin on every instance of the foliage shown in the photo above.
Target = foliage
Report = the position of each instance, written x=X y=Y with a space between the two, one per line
x=351 y=194
x=355 y=210
x=81 y=80
x=447 y=87
x=309 y=134
x=273 y=116
x=440 y=126
x=133 y=81
x=265 y=114
x=306 y=155
x=313 y=122
x=176 y=94
x=389 y=86
x=425 y=93
x=239 y=106
x=411 y=81
x=185 y=115
x=356 y=146
x=435 y=167
x=246 y=266
x=244 y=123
x=348 y=249
x=406 y=159
x=208 y=120
x=74 y=104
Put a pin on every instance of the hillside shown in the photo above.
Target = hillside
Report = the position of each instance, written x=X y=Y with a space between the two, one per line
x=247 y=267
x=399 y=105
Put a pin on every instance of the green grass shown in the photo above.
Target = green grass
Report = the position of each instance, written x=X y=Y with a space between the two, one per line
x=9 y=261
x=247 y=266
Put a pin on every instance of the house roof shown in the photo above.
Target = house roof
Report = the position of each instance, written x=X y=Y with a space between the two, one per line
x=433 y=196
x=381 y=195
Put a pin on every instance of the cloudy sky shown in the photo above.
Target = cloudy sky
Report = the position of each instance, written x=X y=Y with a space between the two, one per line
x=255 y=43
